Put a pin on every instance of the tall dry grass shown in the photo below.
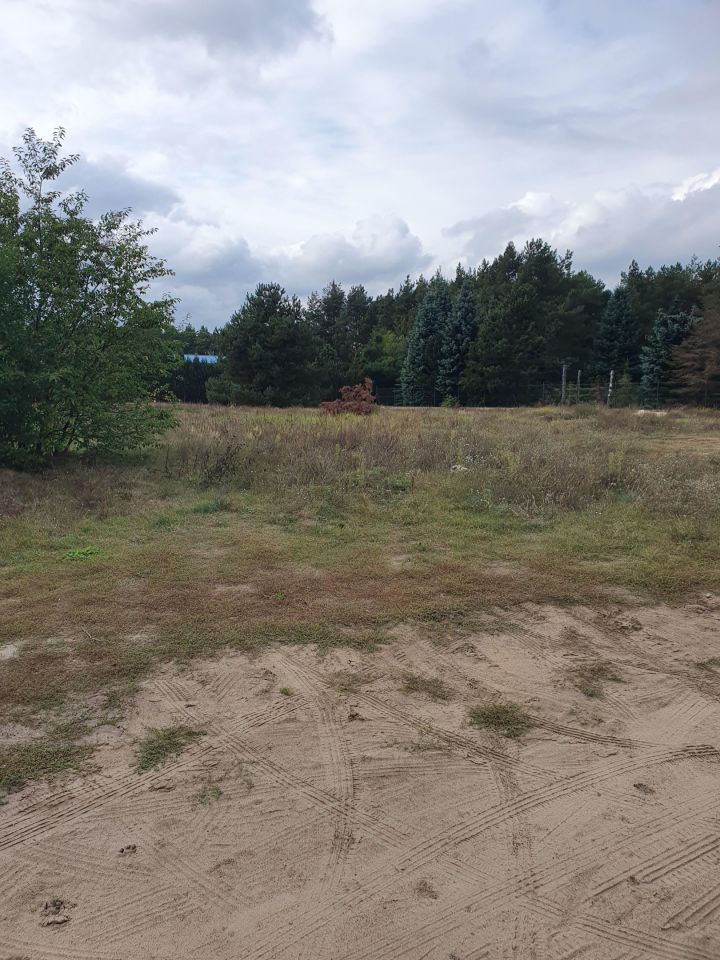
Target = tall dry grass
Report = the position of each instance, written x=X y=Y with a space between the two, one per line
x=534 y=461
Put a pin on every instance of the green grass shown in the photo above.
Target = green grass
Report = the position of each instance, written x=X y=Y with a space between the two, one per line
x=81 y=553
x=160 y=744
x=432 y=687
x=39 y=759
x=508 y=719
x=286 y=691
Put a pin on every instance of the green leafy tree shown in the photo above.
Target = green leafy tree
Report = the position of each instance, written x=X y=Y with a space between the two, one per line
x=274 y=356
x=420 y=368
x=456 y=337
x=669 y=330
x=82 y=346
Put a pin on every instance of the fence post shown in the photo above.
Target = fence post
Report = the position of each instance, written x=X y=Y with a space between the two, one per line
x=563 y=386
x=610 y=386
x=577 y=396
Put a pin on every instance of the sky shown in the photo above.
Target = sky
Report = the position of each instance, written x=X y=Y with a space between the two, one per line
x=301 y=141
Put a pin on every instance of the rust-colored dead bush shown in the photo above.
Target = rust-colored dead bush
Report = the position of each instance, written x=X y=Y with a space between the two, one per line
x=358 y=399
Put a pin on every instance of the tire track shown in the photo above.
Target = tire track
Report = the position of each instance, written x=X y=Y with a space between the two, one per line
x=575 y=733
x=700 y=910
x=72 y=807
x=431 y=849
x=656 y=867
x=342 y=783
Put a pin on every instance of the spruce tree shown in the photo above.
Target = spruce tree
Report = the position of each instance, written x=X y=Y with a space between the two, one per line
x=420 y=369
x=457 y=335
x=616 y=343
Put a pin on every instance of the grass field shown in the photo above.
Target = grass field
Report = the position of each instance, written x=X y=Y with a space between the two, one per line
x=249 y=527
x=252 y=532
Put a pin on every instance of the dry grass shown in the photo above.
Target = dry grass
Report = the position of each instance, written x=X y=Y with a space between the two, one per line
x=249 y=527
x=591 y=678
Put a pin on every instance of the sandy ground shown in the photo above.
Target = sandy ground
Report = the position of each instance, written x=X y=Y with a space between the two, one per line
x=378 y=825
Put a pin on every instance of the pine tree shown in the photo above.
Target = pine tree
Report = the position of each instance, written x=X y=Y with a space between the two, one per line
x=668 y=330
x=695 y=363
x=420 y=368
x=616 y=343
x=457 y=335
x=504 y=360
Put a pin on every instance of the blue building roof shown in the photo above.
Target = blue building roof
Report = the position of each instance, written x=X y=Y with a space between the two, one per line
x=201 y=357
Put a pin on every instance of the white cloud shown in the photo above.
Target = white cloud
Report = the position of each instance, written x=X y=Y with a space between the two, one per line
x=661 y=224
x=258 y=133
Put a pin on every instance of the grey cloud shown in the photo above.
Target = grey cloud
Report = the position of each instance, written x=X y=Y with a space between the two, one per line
x=110 y=187
x=251 y=25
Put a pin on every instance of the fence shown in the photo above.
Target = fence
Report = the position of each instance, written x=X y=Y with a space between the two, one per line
x=530 y=394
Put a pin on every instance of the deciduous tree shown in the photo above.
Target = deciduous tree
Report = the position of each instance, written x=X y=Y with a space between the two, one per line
x=83 y=345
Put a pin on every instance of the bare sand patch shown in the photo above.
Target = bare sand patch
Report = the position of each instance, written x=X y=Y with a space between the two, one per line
x=357 y=820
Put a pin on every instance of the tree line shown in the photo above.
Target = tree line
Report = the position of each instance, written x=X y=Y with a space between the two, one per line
x=499 y=334
x=87 y=349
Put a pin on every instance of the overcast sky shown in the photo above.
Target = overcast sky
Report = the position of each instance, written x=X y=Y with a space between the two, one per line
x=305 y=140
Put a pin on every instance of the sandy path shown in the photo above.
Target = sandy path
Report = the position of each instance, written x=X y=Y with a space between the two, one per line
x=378 y=825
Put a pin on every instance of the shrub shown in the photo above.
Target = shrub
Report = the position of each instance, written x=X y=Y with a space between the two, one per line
x=358 y=399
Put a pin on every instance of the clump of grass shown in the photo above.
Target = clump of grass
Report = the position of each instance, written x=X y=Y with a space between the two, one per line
x=349 y=681
x=508 y=719
x=432 y=687
x=22 y=762
x=81 y=553
x=590 y=679
x=709 y=665
x=286 y=691
x=428 y=741
x=214 y=505
x=161 y=743
x=210 y=793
